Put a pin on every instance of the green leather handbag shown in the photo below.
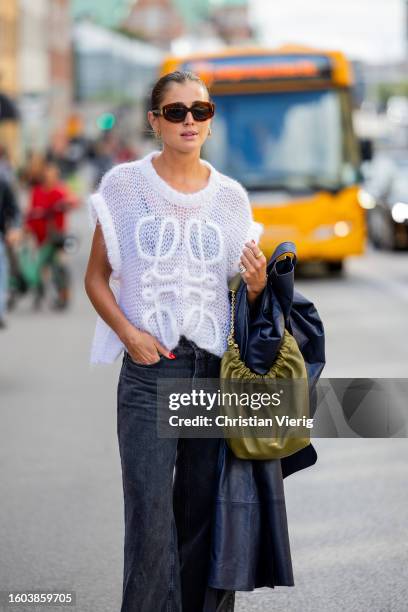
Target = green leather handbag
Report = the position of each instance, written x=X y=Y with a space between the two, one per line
x=288 y=364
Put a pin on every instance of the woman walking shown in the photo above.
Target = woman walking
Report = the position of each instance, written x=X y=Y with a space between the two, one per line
x=170 y=232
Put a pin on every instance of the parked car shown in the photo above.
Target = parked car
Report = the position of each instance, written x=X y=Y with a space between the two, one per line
x=397 y=110
x=386 y=195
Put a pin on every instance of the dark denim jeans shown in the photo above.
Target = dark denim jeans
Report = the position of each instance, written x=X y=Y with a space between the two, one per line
x=169 y=491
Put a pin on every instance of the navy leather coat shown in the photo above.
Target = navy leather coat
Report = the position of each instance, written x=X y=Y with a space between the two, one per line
x=250 y=541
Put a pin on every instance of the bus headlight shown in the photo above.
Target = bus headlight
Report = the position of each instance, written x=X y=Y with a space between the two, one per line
x=342 y=228
x=365 y=199
x=399 y=212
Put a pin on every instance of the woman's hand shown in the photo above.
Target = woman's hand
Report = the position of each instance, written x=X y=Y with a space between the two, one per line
x=255 y=274
x=143 y=347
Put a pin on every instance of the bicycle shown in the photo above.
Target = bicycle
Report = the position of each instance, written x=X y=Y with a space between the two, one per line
x=30 y=261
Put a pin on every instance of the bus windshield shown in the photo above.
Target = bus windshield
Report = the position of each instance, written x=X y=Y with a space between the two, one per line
x=290 y=140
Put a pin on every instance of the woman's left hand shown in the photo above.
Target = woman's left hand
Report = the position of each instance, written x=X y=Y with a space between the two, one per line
x=255 y=274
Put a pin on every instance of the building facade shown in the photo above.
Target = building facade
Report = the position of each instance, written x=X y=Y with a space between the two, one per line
x=8 y=70
x=156 y=21
x=45 y=69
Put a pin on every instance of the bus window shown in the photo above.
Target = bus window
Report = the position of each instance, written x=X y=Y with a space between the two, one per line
x=290 y=140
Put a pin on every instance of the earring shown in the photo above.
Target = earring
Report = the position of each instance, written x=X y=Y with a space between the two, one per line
x=157 y=134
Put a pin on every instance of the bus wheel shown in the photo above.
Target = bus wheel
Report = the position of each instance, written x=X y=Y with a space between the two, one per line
x=335 y=267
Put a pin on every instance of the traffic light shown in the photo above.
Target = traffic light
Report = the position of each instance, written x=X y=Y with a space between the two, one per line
x=106 y=121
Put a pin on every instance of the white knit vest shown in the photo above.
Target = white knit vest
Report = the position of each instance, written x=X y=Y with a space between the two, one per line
x=172 y=254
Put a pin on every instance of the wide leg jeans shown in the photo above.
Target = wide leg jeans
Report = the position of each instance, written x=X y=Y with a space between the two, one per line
x=169 y=491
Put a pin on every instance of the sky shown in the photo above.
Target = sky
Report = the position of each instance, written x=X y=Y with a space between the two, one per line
x=370 y=30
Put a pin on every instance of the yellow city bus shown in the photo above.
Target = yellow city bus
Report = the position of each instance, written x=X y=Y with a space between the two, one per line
x=283 y=128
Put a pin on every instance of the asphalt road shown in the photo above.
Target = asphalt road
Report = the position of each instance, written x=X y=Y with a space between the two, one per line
x=61 y=512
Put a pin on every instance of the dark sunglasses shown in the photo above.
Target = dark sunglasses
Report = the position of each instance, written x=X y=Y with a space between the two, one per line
x=176 y=112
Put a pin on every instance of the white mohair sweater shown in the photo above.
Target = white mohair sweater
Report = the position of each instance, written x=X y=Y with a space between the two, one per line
x=172 y=254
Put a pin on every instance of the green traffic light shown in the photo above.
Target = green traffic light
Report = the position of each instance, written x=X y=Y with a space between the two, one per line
x=106 y=121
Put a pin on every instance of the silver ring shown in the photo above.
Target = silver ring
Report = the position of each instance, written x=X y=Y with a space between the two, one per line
x=242 y=268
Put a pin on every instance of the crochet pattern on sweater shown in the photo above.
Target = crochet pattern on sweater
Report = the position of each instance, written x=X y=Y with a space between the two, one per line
x=171 y=253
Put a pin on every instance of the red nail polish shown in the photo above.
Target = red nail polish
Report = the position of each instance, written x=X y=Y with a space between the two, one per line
x=172 y=356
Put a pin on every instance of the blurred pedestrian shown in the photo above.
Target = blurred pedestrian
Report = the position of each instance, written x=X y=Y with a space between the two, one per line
x=6 y=169
x=10 y=234
x=33 y=171
x=46 y=219
x=104 y=157
x=126 y=152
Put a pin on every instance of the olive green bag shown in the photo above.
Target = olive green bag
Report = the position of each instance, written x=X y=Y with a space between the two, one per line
x=289 y=364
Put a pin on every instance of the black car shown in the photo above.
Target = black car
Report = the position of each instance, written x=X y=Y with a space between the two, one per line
x=385 y=196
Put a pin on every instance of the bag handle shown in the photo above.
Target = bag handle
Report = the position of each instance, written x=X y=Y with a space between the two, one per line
x=282 y=251
x=231 y=339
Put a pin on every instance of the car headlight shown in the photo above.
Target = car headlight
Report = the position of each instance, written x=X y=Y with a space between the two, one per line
x=365 y=199
x=399 y=212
